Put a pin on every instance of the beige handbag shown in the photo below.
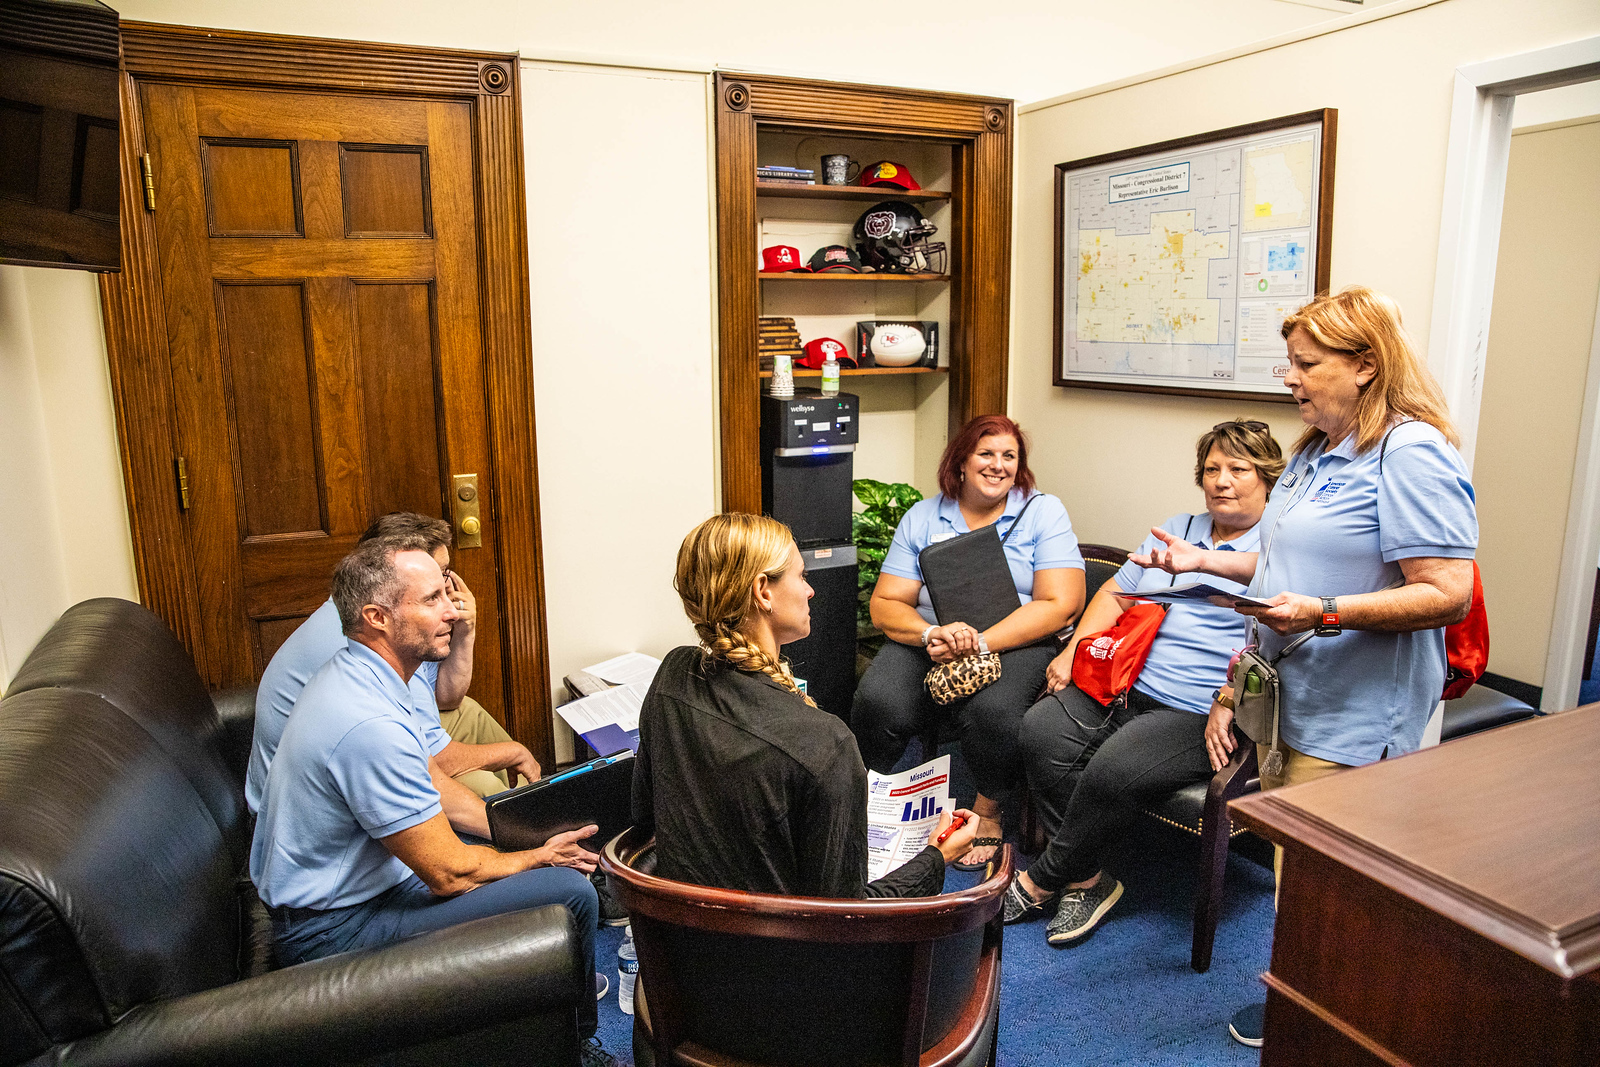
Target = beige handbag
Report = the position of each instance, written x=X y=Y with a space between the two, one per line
x=958 y=679
x=1257 y=692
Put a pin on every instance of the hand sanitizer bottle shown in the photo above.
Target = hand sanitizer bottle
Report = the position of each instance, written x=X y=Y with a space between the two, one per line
x=830 y=376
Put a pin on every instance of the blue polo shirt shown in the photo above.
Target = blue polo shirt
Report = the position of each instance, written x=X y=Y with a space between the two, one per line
x=1336 y=526
x=1189 y=657
x=1044 y=541
x=351 y=768
x=312 y=644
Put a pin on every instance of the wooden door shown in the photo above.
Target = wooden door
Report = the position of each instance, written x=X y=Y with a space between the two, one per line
x=319 y=270
x=333 y=337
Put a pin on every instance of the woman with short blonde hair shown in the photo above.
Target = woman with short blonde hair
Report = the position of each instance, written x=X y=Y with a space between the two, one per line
x=745 y=782
x=1089 y=762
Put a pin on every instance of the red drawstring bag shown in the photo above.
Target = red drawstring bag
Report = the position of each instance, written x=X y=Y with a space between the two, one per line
x=1106 y=665
x=1466 y=643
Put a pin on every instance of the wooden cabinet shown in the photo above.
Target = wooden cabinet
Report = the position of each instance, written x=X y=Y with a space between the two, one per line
x=1441 y=909
x=959 y=149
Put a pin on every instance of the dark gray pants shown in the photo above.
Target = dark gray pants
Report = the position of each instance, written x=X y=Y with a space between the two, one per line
x=1090 y=766
x=892 y=707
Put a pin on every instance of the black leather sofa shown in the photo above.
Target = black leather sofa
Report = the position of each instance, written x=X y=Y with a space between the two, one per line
x=129 y=933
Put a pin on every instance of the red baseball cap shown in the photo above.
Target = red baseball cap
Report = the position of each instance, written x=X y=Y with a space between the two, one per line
x=886 y=173
x=781 y=259
x=817 y=353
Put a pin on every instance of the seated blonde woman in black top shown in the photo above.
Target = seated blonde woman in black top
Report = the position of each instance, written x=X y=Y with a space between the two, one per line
x=744 y=781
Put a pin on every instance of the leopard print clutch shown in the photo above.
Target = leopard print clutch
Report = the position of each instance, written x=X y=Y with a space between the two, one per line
x=959 y=679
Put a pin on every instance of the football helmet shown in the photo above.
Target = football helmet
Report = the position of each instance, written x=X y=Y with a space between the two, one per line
x=892 y=238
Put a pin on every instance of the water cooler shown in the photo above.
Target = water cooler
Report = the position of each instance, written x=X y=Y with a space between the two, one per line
x=807 y=464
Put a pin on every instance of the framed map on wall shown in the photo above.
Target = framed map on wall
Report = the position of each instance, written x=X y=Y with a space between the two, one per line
x=1176 y=263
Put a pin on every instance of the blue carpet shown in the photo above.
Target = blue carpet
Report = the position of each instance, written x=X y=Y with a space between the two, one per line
x=1126 y=995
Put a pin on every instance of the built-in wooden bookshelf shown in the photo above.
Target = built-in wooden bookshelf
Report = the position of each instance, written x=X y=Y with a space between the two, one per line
x=972 y=136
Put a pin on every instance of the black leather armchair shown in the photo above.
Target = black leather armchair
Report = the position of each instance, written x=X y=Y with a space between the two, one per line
x=128 y=933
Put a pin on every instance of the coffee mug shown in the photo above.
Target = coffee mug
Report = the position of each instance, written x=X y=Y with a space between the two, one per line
x=839 y=170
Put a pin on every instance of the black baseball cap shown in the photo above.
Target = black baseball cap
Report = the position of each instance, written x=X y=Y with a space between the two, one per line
x=831 y=258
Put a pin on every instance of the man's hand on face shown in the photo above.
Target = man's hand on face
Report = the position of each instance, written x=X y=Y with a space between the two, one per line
x=466 y=604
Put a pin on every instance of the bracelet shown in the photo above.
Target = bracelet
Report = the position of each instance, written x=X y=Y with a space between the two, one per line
x=925 y=634
x=983 y=645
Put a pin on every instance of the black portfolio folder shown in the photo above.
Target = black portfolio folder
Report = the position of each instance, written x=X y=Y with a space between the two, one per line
x=969 y=580
x=600 y=792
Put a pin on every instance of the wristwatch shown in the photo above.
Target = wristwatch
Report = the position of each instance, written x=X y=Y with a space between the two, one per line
x=1225 y=699
x=1329 y=626
x=983 y=645
x=925 y=634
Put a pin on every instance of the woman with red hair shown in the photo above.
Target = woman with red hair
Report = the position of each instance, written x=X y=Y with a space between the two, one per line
x=983 y=480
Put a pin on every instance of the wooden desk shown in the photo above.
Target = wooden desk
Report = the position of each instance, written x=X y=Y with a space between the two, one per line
x=1442 y=908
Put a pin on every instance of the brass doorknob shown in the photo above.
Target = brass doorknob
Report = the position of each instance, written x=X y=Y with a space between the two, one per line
x=470 y=526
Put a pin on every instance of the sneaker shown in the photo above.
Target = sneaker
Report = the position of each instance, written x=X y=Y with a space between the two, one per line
x=592 y=1054
x=1020 y=906
x=1246 y=1025
x=1081 y=910
x=602 y=986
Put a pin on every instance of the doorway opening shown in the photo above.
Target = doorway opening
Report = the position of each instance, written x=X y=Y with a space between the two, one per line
x=1544 y=641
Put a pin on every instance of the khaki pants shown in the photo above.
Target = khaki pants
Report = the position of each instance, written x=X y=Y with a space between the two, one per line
x=471 y=724
x=1297 y=768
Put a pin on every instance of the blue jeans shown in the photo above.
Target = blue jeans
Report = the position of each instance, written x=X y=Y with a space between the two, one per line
x=410 y=908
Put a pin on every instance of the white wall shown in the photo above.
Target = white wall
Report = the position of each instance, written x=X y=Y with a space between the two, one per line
x=623 y=326
x=1391 y=79
x=63 y=518
x=623 y=352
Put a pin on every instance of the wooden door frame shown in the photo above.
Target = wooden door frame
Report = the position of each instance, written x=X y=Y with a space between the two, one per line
x=978 y=128
x=136 y=335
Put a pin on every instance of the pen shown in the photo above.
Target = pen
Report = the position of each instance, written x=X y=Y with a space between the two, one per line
x=956 y=823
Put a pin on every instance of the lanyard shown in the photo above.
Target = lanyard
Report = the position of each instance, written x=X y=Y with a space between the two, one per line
x=1299 y=493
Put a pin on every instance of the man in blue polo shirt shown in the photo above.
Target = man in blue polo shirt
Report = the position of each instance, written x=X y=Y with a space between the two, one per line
x=352 y=848
x=469 y=751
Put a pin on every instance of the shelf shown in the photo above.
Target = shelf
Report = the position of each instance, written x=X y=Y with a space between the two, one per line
x=847 y=192
x=845 y=276
x=851 y=372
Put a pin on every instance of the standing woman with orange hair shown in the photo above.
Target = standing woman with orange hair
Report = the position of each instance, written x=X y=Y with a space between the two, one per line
x=1366 y=553
x=746 y=783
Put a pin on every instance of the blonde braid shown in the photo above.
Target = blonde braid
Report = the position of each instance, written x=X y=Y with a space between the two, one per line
x=717 y=566
x=734 y=648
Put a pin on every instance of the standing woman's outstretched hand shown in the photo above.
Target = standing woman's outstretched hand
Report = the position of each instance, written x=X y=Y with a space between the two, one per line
x=1177 y=556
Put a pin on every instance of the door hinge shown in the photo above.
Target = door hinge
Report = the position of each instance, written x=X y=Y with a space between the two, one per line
x=182 y=469
x=149 y=185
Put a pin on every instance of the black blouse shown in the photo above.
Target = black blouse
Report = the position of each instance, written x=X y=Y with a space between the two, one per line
x=746 y=786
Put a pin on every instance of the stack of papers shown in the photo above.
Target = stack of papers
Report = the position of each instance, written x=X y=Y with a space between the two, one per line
x=630 y=668
x=903 y=810
x=609 y=720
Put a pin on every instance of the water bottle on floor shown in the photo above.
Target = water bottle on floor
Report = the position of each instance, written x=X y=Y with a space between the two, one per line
x=627 y=970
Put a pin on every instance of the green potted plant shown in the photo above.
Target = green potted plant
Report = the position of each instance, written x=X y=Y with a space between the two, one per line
x=872 y=529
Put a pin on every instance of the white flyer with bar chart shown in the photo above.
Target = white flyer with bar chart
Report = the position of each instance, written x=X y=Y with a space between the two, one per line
x=903 y=810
